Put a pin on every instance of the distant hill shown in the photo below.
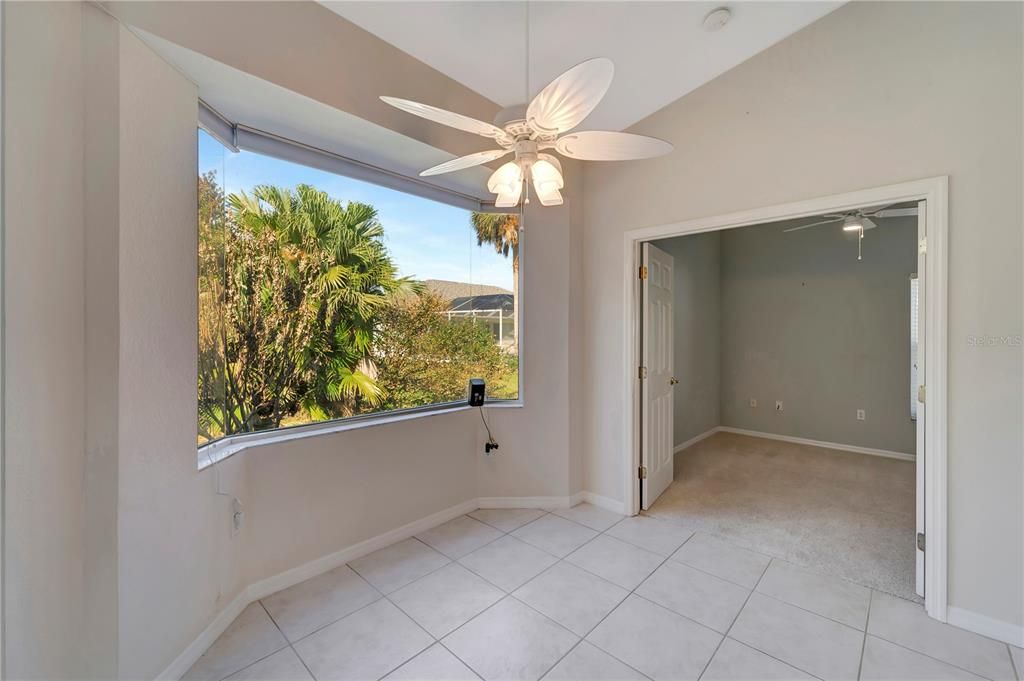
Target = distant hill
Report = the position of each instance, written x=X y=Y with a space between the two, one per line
x=450 y=290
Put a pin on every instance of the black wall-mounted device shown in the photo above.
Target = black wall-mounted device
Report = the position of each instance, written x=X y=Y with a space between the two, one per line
x=477 y=388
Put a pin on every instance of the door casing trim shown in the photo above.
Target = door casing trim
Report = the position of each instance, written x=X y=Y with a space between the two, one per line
x=934 y=190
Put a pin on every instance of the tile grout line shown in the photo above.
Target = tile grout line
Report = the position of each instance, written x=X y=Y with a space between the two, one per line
x=425 y=574
x=1013 y=664
x=625 y=598
x=380 y=595
x=432 y=638
x=451 y=561
x=931 y=657
x=255 y=662
x=608 y=614
x=772 y=559
x=631 y=592
x=508 y=594
x=456 y=656
x=811 y=612
x=290 y=645
x=735 y=617
x=752 y=647
x=864 y=642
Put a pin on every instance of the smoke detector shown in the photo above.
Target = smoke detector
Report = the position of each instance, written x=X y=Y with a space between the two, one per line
x=717 y=18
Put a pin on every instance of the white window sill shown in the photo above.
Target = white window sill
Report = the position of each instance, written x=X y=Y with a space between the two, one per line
x=225 y=447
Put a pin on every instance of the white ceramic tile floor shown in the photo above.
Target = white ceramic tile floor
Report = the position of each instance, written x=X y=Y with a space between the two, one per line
x=529 y=598
x=310 y=605
x=508 y=562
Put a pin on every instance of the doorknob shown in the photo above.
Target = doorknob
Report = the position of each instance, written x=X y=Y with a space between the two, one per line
x=673 y=381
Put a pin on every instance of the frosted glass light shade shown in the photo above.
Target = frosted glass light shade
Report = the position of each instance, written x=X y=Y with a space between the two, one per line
x=547 y=180
x=509 y=200
x=507 y=179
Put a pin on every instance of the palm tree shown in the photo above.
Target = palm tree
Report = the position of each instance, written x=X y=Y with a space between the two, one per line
x=502 y=231
x=306 y=278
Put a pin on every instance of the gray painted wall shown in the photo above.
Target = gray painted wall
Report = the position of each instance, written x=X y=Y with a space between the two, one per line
x=806 y=323
x=786 y=125
x=769 y=316
x=697 y=312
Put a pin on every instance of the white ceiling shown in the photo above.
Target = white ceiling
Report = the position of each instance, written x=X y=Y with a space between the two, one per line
x=660 y=49
x=243 y=98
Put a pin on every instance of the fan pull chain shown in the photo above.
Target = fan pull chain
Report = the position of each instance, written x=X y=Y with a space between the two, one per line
x=860 y=239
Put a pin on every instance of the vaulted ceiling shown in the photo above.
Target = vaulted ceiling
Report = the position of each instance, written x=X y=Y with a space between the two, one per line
x=313 y=72
x=660 y=49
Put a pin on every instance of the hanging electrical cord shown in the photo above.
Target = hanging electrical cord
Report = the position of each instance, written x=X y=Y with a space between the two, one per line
x=491 y=443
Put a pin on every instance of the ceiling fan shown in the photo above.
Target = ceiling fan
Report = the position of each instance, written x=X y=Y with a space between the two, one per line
x=557 y=109
x=858 y=220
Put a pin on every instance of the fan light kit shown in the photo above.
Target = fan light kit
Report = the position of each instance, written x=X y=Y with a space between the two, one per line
x=858 y=221
x=543 y=126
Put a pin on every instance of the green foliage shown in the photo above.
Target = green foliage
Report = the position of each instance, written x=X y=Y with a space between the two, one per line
x=302 y=316
x=500 y=230
x=305 y=277
x=212 y=227
x=423 y=358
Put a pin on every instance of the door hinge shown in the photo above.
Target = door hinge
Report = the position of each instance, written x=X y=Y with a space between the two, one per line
x=643 y=272
x=642 y=472
x=642 y=373
x=922 y=246
x=920 y=393
x=920 y=541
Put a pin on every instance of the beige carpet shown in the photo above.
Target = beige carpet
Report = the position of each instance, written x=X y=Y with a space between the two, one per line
x=841 y=513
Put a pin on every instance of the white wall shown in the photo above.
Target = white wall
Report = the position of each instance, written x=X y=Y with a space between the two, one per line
x=167 y=512
x=101 y=157
x=108 y=521
x=534 y=457
x=44 y=372
x=872 y=94
x=805 y=322
x=696 y=404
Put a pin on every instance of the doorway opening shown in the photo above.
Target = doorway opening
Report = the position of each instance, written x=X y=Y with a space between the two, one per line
x=798 y=341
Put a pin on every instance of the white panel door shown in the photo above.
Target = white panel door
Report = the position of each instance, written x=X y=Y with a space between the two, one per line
x=922 y=411
x=657 y=374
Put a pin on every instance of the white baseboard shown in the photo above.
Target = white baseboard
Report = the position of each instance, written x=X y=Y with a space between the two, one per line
x=213 y=630
x=612 y=505
x=283 y=580
x=986 y=626
x=526 y=502
x=820 y=443
x=551 y=502
x=694 y=440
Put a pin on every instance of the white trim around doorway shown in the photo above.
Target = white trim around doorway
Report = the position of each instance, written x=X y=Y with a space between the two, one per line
x=935 y=191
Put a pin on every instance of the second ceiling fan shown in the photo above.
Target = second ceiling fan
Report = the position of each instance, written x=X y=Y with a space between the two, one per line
x=858 y=221
x=558 y=108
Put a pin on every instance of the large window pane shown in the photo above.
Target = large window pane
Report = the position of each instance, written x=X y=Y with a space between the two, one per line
x=212 y=421
x=323 y=297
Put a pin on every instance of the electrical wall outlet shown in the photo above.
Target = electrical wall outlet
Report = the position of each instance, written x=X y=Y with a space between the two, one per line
x=753 y=402
x=778 y=405
x=860 y=415
x=237 y=516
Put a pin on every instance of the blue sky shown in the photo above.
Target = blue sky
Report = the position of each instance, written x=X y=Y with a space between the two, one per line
x=427 y=240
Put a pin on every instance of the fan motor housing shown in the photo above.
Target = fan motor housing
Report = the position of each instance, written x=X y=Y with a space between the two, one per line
x=526 y=151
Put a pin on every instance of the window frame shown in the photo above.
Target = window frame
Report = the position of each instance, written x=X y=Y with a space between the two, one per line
x=266 y=144
x=217 y=450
